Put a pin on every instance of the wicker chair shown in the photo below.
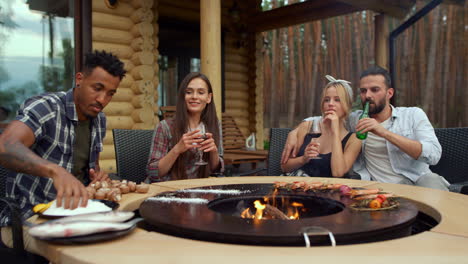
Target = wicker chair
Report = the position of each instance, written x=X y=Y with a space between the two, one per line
x=3 y=176
x=132 y=149
x=278 y=138
x=453 y=165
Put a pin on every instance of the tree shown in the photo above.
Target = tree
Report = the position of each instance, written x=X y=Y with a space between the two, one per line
x=428 y=95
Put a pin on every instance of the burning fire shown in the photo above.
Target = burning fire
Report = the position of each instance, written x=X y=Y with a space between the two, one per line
x=290 y=211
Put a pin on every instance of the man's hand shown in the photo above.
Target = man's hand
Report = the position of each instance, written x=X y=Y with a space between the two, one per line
x=69 y=189
x=99 y=175
x=290 y=148
x=371 y=125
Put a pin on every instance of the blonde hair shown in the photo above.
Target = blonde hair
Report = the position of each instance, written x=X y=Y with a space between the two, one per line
x=345 y=98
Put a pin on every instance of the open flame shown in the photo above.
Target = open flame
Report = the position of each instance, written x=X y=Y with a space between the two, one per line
x=270 y=210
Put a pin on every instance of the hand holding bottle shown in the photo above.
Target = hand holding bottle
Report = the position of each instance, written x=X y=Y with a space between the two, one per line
x=365 y=114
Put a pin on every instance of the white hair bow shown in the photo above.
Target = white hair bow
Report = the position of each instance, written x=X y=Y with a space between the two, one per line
x=345 y=84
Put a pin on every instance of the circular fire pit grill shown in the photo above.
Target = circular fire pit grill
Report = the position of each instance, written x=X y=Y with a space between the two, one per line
x=219 y=220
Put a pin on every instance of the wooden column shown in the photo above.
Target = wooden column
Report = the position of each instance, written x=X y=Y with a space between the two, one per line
x=381 y=41
x=210 y=38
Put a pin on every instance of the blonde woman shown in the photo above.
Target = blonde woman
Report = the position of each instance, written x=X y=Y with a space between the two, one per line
x=333 y=152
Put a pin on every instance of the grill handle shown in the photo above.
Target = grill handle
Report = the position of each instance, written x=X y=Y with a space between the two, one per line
x=316 y=231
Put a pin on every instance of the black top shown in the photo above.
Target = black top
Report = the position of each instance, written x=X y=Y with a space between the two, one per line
x=319 y=167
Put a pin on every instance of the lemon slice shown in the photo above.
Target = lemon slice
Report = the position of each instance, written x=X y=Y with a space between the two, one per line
x=40 y=208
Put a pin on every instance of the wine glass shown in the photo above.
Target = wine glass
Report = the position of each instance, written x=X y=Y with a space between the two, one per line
x=199 y=155
x=316 y=132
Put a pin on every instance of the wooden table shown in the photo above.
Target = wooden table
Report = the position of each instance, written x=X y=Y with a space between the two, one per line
x=445 y=243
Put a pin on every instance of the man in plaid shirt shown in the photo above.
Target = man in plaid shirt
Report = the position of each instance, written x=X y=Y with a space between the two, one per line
x=53 y=144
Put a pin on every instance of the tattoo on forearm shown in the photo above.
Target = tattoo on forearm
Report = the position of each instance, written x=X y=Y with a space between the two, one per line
x=19 y=158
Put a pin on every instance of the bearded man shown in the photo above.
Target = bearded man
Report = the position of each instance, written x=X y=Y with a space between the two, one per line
x=401 y=142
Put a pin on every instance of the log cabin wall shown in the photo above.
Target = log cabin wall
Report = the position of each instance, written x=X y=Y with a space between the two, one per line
x=243 y=100
x=129 y=30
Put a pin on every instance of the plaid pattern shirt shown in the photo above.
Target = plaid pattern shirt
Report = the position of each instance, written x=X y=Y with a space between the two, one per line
x=162 y=144
x=52 y=117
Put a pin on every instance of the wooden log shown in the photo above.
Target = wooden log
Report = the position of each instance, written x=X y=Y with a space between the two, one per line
x=155 y=29
x=235 y=67
x=142 y=15
x=381 y=40
x=234 y=112
x=109 y=139
x=236 y=51
x=111 y=21
x=155 y=82
x=121 y=51
x=143 y=115
x=108 y=166
x=236 y=58
x=155 y=109
x=143 y=58
x=142 y=87
x=232 y=94
x=236 y=76
x=119 y=109
x=121 y=122
x=143 y=29
x=244 y=130
x=122 y=9
x=142 y=72
x=238 y=104
x=236 y=86
x=142 y=100
x=259 y=95
x=147 y=126
x=274 y=212
x=128 y=65
x=143 y=44
x=127 y=81
x=142 y=4
x=138 y=101
x=112 y=35
x=156 y=68
x=155 y=97
x=155 y=42
x=108 y=152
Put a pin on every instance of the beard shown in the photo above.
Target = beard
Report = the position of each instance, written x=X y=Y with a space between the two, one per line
x=377 y=107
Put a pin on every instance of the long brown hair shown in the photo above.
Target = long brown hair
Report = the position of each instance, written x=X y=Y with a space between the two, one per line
x=181 y=123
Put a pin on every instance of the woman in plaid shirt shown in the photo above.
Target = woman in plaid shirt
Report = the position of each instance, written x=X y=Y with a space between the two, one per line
x=176 y=141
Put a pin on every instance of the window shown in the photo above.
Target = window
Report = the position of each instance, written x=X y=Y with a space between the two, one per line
x=171 y=72
x=37 y=49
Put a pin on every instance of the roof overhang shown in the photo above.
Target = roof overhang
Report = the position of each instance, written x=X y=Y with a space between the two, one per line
x=312 y=10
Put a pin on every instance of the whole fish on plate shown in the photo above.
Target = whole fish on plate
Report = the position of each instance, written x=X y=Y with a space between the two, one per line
x=112 y=216
x=57 y=229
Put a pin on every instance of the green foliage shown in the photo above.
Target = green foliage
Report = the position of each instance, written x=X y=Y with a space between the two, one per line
x=266 y=144
x=55 y=78
x=4 y=76
x=68 y=63
x=51 y=78
x=15 y=95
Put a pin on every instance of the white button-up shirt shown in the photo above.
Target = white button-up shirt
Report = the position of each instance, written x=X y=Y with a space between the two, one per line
x=409 y=122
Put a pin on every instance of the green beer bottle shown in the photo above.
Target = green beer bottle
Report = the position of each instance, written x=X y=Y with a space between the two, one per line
x=364 y=114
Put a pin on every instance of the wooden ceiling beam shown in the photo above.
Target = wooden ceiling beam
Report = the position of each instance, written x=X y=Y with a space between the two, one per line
x=299 y=13
x=455 y=2
x=394 y=8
